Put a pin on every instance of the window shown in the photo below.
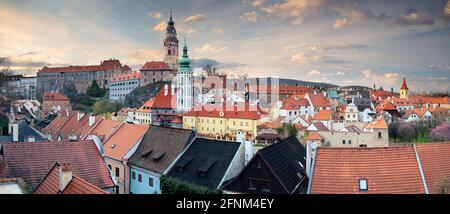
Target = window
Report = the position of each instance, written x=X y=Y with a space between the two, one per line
x=150 y=182
x=117 y=171
x=133 y=175
x=363 y=186
x=379 y=135
x=265 y=186
x=109 y=166
x=343 y=141
x=139 y=177
x=252 y=184
x=349 y=141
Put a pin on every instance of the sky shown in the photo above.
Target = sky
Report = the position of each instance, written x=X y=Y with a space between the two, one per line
x=352 y=42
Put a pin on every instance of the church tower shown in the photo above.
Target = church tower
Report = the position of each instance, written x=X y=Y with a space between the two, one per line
x=171 y=45
x=185 y=83
x=404 y=90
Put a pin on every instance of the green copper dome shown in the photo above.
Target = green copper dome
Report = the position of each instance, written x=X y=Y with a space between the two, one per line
x=185 y=62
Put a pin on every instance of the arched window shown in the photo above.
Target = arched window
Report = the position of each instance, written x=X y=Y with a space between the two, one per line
x=169 y=52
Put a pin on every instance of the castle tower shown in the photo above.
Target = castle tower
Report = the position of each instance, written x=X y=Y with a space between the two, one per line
x=404 y=90
x=171 y=45
x=185 y=83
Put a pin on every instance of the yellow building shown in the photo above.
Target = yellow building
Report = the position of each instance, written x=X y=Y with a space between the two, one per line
x=223 y=123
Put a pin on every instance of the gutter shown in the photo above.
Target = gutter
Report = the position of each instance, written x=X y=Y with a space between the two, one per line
x=312 y=173
x=422 y=175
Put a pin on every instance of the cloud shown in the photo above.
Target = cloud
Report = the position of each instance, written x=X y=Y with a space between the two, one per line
x=390 y=75
x=156 y=15
x=187 y=30
x=335 y=46
x=257 y=3
x=249 y=16
x=413 y=17
x=200 y=63
x=438 y=78
x=140 y=56
x=160 y=27
x=439 y=67
x=300 y=58
x=352 y=14
x=313 y=73
x=210 y=48
x=219 y=31
x=447 y=12
x=295 y=10
x=195 y=18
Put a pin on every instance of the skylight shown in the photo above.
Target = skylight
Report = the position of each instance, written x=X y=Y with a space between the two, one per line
x=363 y=187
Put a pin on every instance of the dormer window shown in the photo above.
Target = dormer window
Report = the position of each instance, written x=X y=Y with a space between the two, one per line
x=363 y=185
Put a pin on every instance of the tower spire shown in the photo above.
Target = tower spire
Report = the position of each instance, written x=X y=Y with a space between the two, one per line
x=170 y=13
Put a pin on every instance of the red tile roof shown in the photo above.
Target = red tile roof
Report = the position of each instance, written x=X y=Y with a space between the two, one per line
x=168 y=101
x=31 y=161
x=388 y=170
x=54 y=96
x=123 y=77
x=147 y=107
x=314 y=136
x=50 y=185
x=241 y=111
x=324 y=114
x=435 y=161
x=106 y=65
x=123 y=140
x=319 y=100
x=417 y=99
x=155 y=65
x=404 y=86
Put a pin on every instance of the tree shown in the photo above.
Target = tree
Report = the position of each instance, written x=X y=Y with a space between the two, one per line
x=441 y=132
x=406 y=132
x=69 y=89
x=95 y=91
x=444 y=186
x=141 y=94
x=393 y=129
x=171 y=185
x=286 y=130
x=3 y=124
x=105 y=106
x=210 y=70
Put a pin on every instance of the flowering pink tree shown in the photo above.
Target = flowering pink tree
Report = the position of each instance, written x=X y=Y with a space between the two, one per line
x=441 y=132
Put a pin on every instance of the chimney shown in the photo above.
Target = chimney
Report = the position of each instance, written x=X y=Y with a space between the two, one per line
x=79 y=116
x=91 y=120
x=166 y=88
x=310 y=156
x=240 y=137
x=65 y=176
x=248 y=151
x=315 y=92
x=15 y=132
x=67 y=112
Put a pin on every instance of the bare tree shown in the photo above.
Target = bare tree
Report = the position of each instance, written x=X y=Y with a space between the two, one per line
x=210 y=70
x=5 y=73
x=406 y=132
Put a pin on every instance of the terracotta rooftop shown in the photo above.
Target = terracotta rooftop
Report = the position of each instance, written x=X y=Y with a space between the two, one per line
x=435 y=161
x=107 y=65
x=105 y=128
x=31 y=161
x=118 y=145
x=319 y=100
x=165 y=101
x=387 y=170
x=50 y=185
x=324 y=114
x=155 y=65
x=54 y=96
x=314 y=136
x=147 y=106
x=123 y=77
